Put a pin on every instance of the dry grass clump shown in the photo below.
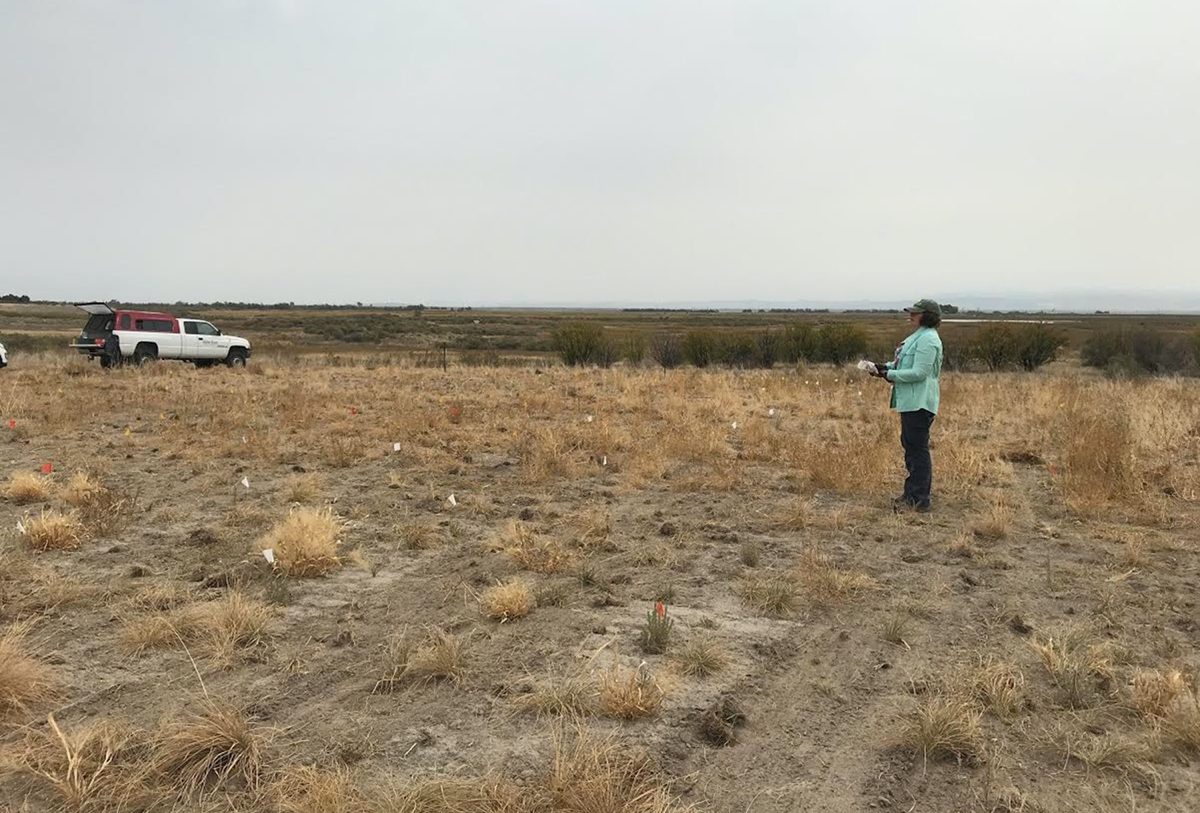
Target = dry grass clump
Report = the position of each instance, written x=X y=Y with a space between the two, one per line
x=80 y=489
x=995 y=522
x=824 y=584
x=700 y=656
x=95 y=767
x=25 y=487
x=629 y=694
x=309 y=789
x=1098 y=457
x=568 y=694
x=24 y=679
x=1152 y=692
x=1000 y=686
x=941 y=727
x=1181 y=723
x=1074 y=664
x=531 y=552
x=797 y=515
x=51 y=530
x=303 y=488
x=549 y=454
x=594 y=775
x=305 y=543
x=455 y=795
x=507 y=601
x=418 y=536
x=222 y=629
x=770 y=596
x=215 y=747
x=1112 y=752
x=441 y=655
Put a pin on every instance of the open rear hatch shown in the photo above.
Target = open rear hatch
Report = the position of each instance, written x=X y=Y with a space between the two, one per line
x=98 y=328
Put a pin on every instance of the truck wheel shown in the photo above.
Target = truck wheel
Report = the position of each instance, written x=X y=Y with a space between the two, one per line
x=145 y=353
x=236 y=358
x=105 y=362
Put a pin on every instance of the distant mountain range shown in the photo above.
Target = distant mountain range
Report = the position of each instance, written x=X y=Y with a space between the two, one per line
x=1064 y=301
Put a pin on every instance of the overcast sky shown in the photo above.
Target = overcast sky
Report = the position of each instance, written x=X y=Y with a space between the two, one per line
x=533 y=152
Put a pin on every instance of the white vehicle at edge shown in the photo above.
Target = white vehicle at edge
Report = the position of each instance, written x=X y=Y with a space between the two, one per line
x=3 y=357
x=116 y=336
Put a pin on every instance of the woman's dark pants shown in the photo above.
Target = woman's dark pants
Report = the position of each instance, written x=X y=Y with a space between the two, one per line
x=914 y=437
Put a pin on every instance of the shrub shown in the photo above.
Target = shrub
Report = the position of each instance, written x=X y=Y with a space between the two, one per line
x=633 y=348
x=1142 y=351
x=699 y=348
x=207 y=749
x=582 y=343
x=1036 y=345
x=798 y=343
x=667 y=351
x=737 y=350
x=837 y=343
x=995 y=345
x=53 y=531
x=768 y=349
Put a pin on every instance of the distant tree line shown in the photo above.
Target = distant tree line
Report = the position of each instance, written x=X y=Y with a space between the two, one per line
x=14 y=298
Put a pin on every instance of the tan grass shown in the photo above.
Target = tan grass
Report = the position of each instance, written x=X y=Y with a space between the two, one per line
x=507 y=601
x=93 y=767
x=823 y=583
x=26 y=487
x=567 y=694
x=439 y=656
x=1153 y=692
x=942 y=727
x=1074 y=664
x=25 y=680
x=1098 y=457
x=995 y=522
x=531 y=552
x=629 y=694
x=999 y=685
x=305 y=543
x=303 y=488
x=51 y=530
x=600 y=775
x=770 y=596
x=456 y=795
x=214 y=747
x=81 y=489
x=222 y=629
x=1181 y=723
x=418 y=536
x=311 y=789
x=700 y=656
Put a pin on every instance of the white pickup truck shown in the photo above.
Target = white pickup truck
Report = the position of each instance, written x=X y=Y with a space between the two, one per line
x=3 y=357
x=116 y=336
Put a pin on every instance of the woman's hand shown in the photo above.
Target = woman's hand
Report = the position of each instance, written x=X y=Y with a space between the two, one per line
x=880 y=370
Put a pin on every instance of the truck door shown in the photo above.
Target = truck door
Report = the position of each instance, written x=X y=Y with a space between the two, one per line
x=212 y=344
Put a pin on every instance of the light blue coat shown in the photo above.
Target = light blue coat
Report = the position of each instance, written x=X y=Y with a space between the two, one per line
x=916 y=371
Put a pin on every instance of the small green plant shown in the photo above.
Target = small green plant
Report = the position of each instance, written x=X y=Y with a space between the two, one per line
x=656 y=635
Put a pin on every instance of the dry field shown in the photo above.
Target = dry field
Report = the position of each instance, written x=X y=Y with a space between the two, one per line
x=592 y=591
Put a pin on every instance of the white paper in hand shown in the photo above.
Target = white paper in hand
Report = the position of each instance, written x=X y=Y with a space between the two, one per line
x=866 y=366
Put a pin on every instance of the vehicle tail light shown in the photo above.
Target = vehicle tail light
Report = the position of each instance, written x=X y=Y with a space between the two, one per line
x=98 y=342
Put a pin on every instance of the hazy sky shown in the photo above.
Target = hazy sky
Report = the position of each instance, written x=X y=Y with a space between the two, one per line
x=557 y=151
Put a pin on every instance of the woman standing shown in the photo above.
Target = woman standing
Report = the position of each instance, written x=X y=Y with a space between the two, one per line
x=914 y=374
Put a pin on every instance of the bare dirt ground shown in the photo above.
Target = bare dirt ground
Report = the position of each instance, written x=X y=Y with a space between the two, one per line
x=1030 y=645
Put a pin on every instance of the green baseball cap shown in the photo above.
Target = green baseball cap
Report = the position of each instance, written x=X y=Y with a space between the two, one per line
x=925 y=306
